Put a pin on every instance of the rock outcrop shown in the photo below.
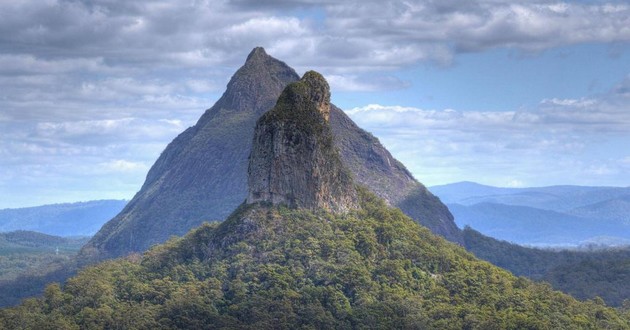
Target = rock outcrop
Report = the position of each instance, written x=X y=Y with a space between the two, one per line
x=294 y=160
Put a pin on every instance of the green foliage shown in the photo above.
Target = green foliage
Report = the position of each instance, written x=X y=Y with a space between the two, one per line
x=27 y=251
x=583 y=274
x=281 y=268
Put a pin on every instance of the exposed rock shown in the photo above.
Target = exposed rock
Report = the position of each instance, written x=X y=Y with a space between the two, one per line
x=202 y=174
x=294 y=160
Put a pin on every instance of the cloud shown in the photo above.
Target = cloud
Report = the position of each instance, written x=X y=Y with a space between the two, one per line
x=355 y=83
x=90 y=82
x=379 y=34
x=56 y=161
x=121 y=165
x=562 y=141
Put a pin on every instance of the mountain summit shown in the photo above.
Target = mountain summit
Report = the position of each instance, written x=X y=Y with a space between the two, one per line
x=294 y=160
x=202 y=174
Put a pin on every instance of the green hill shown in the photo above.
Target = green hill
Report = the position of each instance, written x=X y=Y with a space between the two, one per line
x=23 y=252
x=273 y=267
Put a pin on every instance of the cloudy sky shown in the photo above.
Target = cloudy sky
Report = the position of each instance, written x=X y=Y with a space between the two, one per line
x=527 y=93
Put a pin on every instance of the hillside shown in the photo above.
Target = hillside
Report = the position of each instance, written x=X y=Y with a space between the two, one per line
x=22 y=252
x=544 y=216
x=71 y=219
x=202 y=174
x=583 y=274
x=273 y=267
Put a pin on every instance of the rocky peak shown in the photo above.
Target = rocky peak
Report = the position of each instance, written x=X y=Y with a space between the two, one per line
x=257 y=54
x=260 y=76
x=319 y=92
x=294 y=160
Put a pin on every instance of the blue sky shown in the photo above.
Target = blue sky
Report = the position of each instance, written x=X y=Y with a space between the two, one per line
x=532 y=93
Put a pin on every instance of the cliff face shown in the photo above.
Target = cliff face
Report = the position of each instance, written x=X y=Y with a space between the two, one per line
x=294 y=160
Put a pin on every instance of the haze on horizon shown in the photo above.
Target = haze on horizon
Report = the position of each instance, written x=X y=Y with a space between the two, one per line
x=528 y=94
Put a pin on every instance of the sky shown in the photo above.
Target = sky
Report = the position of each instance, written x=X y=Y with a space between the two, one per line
x=505 y=93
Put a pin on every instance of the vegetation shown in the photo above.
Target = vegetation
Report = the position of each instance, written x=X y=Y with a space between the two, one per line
x=583 y=274
x=26 y=250
x=268 y=267
x=29 y=260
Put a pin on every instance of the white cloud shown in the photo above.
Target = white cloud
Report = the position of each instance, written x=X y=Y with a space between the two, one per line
x=355 y=83
x=563 y=141
x=89 y=82
x=121 y=165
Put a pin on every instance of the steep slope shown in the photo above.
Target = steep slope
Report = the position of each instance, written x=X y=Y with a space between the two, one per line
x=72 y=219
x=298 y=265
x=202 y=174
x=374 y=167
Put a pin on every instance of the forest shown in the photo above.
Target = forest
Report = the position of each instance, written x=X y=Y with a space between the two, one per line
x=275 y=267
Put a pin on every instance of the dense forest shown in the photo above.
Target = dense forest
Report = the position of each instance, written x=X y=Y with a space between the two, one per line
x=29 y=260
x=275 y=267
x=583 y=274
x=26 y=250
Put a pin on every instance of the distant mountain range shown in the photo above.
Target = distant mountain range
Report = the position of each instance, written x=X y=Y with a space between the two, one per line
x=543 y=216
x=73 y=219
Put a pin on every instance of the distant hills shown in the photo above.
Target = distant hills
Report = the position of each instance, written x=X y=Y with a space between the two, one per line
x=27 y=241
x=71 y=219
x=26 y=252
x=544 y=216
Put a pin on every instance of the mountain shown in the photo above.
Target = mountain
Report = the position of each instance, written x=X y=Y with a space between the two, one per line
x=614 y=209
x=286 y=260
x=554 y=198
x=532 y=226
x=543 y=216
x=202 y=174
x=75 y=219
